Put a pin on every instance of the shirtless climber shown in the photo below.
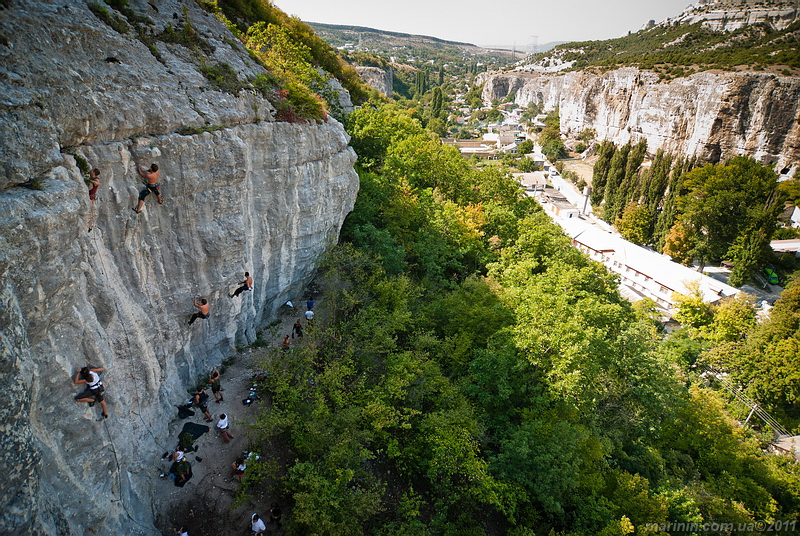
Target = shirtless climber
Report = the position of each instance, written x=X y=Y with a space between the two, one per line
x=247 y=284
x=202 y=307
x=94 y=387
x=152 y=186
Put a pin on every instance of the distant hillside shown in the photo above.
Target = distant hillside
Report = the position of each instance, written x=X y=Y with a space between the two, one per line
x=713 y=35
x=412 y=49
x=337 y=30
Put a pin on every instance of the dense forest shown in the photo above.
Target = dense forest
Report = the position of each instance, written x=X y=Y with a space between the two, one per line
x=473 y=374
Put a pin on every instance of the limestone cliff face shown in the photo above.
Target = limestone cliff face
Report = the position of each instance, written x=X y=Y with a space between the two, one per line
x=248 y=194
x=377 y=78
x=708 y=114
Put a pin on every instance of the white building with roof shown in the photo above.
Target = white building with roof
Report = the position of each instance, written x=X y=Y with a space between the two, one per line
x=643 y=273
x=786 y=246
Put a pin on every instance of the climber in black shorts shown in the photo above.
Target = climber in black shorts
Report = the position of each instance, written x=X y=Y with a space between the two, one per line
x=151 y=186
x=94 y=387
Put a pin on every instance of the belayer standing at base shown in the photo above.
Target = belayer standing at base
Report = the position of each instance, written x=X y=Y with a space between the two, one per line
x=94 y=387
x=151 y=185
x=216 y=388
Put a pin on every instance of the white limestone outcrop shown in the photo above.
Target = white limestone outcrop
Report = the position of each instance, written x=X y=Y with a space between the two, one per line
x=712 y=115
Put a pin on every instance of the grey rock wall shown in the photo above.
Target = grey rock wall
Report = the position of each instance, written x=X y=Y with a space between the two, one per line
x=712 y=115
x=249 y=194
x=378 y=79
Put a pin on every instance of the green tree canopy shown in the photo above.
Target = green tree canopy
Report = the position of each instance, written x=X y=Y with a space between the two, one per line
x=724 y=201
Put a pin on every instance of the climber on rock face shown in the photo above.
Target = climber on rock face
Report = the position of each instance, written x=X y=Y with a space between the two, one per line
x=94 y=387
x=152 y=186
x=247 y=284
x=202 y=305
x=93 y=182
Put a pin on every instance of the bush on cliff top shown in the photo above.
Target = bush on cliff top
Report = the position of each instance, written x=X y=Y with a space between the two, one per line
x=242 y=14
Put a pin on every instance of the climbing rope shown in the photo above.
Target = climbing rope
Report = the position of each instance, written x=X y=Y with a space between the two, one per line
x=119 y=483
x=133 y=373
x=91 y=217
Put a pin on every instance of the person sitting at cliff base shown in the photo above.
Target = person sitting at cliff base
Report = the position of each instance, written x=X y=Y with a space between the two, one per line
x=202 y=305
x=247 y=284
x=151 y=185
x=94 y=387
x=182 y=471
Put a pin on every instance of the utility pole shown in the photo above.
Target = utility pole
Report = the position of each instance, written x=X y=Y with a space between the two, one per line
x=534 y=46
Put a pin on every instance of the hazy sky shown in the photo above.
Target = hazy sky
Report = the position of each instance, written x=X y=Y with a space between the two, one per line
x=487 y=22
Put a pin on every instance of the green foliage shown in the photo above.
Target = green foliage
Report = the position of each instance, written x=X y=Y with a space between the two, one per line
x=289 y=62
x=727 y=201
x=113 y=20
x=602 y=167
x=692 y=311
x=185 y=34
x=244 y=13
x=769 y=361
x=222 y=77
x=436 y=105
x=189 y=131
x=635 y=223
x=554 y=149
x=734 y=319
x=622 y=179
x=526 y=164
x=718 y=211
x=82 y=163
x=790 y=190
x=474 y=374
x=373 y=130
x=525 y=147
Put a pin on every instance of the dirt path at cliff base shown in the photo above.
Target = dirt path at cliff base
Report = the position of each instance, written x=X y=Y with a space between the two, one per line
x=204 y=505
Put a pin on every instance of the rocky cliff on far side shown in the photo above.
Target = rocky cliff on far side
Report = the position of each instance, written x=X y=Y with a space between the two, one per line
x=241 y=192
x=378 y=79
x=710 y=114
